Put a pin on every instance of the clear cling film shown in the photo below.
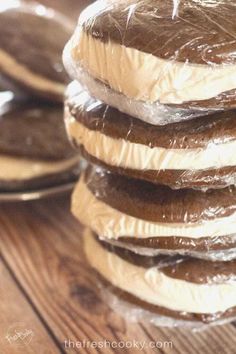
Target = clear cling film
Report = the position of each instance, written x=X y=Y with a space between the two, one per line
x=153 y=220
x=163 y=290
x=152 y=113
x=134 y=313
x=152 y=109
x=209 y=254
x=161 y=62
x=191 y=154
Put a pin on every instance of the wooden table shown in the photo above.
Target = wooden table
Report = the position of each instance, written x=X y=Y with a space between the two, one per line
x=47 y=286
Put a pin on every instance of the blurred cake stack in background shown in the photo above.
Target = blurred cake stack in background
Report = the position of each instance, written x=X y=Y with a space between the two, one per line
x=34 y=149
x=152 y=110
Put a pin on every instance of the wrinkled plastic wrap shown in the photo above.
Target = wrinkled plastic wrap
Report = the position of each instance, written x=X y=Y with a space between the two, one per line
x=155 y=220
x=159 y=61
x=192 y=154
x=152 y=113
x=166 y=291
x=134 y=313
x=211 y=255
x=31 y=43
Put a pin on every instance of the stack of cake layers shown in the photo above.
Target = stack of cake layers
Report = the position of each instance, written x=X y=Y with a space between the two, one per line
x=152 y=110
x=34 y=149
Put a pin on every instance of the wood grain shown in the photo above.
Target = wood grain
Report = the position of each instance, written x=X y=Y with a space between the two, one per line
x=42 y=245
x=17 y=314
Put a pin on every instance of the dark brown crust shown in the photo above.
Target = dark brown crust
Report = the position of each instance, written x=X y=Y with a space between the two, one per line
x=157 y=203
x=39 y=51
x=174 y=243
x=225 y=100
x=35 y=131
x=218 y=178
x=193 y=32
x=217 y=128
x=193 y=270
x=54 y=180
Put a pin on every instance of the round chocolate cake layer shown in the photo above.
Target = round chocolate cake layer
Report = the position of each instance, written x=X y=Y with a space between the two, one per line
x=45 y=181
x=153 y=219
x=195 y=153
x=33 y=130
x=22 y=174
x=176 y=179
x=194 y=270
x=203 y=318
x=31 y=46
x=217 y=128
x=158 y=203
x=188 y=32
x=203 y=247
x=177 y=54
x=34 y=149
x=182 y=288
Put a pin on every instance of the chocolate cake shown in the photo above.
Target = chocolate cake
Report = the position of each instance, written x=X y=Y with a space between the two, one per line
x=195 y=154
x=153 y=219
x=175 y=55
x=153 y=110
x=30 y=50
x=181 y=288
x=34 y=149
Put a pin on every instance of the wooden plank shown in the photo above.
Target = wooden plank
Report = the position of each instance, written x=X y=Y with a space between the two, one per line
x=42 y=244
x=20 y=329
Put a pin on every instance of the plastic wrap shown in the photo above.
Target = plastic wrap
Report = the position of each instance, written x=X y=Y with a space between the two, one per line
x=152 y=113
x=34 y=149
x=160 y=61
x=196 y=153
x=211 y=255
x=166 y=291
x=31 y=43
x=153 y=220
x=134 y=313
